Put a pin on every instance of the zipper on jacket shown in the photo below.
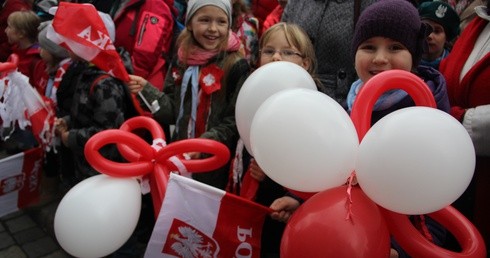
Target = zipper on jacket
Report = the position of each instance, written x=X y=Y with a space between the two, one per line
x=143 y=29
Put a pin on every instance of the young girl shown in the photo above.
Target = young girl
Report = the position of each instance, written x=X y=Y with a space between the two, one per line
x=202 y=85
x=246 y=26
x=389 y=35
x=445 y=27
x=282 y=42
x=22 y=32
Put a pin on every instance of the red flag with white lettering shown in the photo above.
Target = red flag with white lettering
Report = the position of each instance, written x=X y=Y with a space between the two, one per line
x=20 y=180
x=197 y=220
x=81 y=29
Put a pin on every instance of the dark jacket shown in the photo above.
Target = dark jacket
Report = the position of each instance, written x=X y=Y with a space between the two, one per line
x=96 y=106
x=221 y=124
x=437 y=85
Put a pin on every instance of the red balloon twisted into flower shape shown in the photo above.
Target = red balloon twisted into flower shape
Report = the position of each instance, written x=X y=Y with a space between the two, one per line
x=400 y=227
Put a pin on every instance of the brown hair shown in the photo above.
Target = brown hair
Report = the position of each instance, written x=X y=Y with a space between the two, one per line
x=26 y=22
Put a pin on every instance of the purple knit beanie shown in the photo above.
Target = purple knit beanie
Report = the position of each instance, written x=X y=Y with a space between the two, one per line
x=395 y=19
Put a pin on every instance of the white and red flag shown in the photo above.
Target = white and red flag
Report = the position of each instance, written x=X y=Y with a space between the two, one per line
x=22 y=105
x=20 y=180
x=197 y=220
x=89 y=34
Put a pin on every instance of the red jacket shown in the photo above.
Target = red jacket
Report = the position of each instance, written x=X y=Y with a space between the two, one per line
x=262 y=8
x=273 y=18
x=32 y=66
x=145 y=30
x=9 y=7
x=474 y=89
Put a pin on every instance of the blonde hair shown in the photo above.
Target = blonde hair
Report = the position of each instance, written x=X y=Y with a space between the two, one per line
x=296 y=37
x=25 y=22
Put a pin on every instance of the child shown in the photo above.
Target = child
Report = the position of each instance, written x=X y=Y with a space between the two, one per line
x=445 y=24
x=100 y=101
x=57 y=62
x=383 y=41
x=389 y=35
x=246 y=26
x=22 y=32
x=203 y=83
x=56 y=58
x=282 y=42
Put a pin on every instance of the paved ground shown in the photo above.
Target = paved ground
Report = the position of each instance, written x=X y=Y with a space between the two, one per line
x=29 y=232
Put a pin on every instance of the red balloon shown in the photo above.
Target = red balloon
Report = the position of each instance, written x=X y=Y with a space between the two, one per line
x=139 y=122
x=116 y=169
x=320 y=228
x=416 y=245
x=379 y=84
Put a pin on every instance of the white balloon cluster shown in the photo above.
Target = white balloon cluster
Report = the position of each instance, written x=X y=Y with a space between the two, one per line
x=413 y=161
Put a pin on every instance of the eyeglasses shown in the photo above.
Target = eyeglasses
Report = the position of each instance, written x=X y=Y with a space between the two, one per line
x=285 y=53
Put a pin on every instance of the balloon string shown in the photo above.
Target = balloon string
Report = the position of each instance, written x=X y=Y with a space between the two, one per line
x=349 y=196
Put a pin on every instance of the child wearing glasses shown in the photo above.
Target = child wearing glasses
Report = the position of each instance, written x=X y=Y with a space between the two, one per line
x=281 y=42
x=202 y=85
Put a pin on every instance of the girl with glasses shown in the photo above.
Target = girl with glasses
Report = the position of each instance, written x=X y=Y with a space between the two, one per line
x=282 y=42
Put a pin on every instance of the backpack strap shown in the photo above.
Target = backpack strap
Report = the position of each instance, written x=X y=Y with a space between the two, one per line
x=96 y=81
x=134 y=109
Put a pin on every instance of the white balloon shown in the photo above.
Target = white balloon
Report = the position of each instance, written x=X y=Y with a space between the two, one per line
x=261 y=84
x=415 y=160
x=304 y=140
x=98 y=215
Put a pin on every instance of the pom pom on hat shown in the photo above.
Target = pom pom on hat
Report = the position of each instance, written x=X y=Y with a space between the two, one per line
x=395 y=19
x=194 y=5
x=53 y=48
x=442 y=14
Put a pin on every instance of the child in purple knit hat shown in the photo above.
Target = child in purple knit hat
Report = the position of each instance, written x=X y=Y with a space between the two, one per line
x=390 y=35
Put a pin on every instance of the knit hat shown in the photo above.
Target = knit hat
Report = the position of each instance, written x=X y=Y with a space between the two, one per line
x=53 y=48
x=394 y=19
x=194 y=5
x=442 y=14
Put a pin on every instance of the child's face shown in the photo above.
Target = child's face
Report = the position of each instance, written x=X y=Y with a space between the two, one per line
x=209 y=26
x=46 y=56
x=13 y=34
x=278 y=49
x=436 y=41
x=379 y=54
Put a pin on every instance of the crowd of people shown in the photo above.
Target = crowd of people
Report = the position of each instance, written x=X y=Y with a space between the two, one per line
x=170 y=49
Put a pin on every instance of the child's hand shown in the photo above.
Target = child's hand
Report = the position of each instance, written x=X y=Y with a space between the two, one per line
x=60 y=126
x=284 y=208
x=136 y=83
x=192 y=155
x=256 y=172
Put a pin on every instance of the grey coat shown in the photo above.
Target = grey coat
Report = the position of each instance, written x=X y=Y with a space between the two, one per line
x=330 y=26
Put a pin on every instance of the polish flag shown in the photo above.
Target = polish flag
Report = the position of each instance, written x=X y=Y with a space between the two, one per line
x=82 y=30
x=197 y=220
x=23 y=105
x=20 y=180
